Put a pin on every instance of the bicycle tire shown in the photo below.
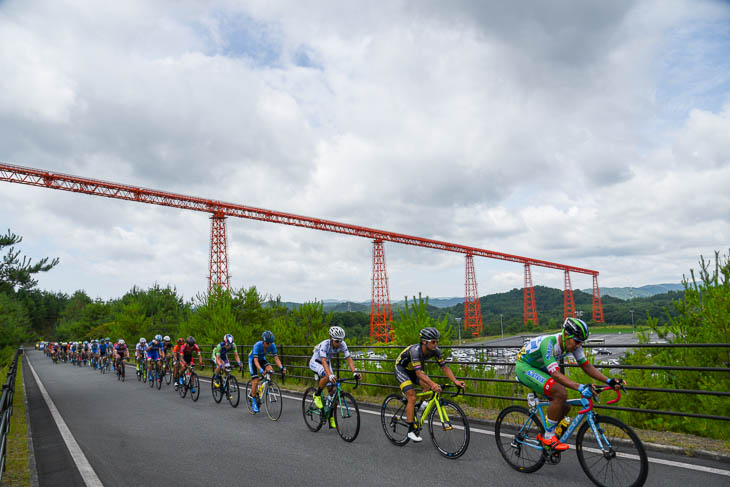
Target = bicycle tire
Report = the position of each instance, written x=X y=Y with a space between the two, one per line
x=139 y=373
x=450 y=439
x=312 y=414
x=217 y=391
x=234 y=393
x=194 y=387
x=151 y=378
x=273 y=400
x=605 y=472
x=515 y=426
x=183 y=388
x=393 y=419
x=249 y=405
x=158 y=379
x=347 y=417
x=168 y=375
x=144 y=375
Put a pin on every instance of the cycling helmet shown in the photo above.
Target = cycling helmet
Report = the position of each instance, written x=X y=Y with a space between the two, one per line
x=268 y=337
x=228 y=339
x=337 y=332
x=167 y=338
x=576 y=328
x=430 y=333
x=86 y=342
x=142 y=340
x=121 y=341
x=107 y=339
x=191 y=341
x=179 y=341
x=158 y=337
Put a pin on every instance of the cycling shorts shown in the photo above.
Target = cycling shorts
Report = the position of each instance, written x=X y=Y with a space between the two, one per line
x=538 y=380
x=317 y=368
x=188 y=359
x=252 y=367
x=406 y=378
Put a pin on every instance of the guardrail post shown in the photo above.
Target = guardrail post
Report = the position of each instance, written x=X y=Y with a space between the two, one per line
x=281 y=348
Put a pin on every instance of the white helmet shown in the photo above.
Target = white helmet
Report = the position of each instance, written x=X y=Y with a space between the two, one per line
x=121 y=341
x=167 y=338
x=142 y=340
x=337 y=332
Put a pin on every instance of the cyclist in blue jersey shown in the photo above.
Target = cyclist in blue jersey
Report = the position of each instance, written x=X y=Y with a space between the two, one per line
x=320 y=363
x=220 y=355
x=95 y=349
x=257 y=364
x=103 y=350
x=154 y=352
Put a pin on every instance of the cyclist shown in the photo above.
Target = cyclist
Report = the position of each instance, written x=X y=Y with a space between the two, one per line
x=220 y=354
x=121 y=352
x=537 y=367
x=409 y=372
x=167 y=350
x=140 y=354
x=257 y=364
x=176 y=360
x=155 y=352
x=186 y=356
x=320 y=363
x=94 y=348
x=85 y=352
x=104 y=347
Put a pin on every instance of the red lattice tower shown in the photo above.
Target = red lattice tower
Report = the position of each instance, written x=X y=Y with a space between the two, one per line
x=568 y=301
x=597 y=305
x=381 y=314
x=530 y=312
x=218 y=276
x=472 y=308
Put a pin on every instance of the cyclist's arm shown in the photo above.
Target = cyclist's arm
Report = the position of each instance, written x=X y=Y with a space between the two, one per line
x=425 y=380
x=256 y=364
x=278 y=362
x=447 y=370
x=350 y=362
x=593 y=372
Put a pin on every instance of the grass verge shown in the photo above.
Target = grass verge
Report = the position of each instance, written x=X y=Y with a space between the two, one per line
x=17 y=473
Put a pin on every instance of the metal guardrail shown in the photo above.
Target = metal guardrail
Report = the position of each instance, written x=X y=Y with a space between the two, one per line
x=6 y=410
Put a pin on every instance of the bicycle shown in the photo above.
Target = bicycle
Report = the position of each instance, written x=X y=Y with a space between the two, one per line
x=338 y=404
x=190 y=382
x=141 y=375
x=167 y=371
x=448 y=426
x=599 y=438
x=269 y=394
x=228 y=386
x=121 y=372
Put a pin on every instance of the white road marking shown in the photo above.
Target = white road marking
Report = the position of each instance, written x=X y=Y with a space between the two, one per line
x=87 y=472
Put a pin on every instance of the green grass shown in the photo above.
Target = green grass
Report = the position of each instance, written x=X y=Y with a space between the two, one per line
x=17 y=471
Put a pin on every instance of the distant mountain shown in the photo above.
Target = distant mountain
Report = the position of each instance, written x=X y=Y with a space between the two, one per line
x=637 y=292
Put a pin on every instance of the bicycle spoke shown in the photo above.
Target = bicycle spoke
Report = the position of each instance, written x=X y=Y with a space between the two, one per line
x=449 y=429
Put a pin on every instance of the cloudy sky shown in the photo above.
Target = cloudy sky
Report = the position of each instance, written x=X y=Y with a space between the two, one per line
x=589 y=133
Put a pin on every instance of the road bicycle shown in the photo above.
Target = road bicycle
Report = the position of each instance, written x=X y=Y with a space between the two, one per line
x=190 y=382
x=448 y=426
x=269 y=396
x=155 y=375
x=228 y=386
x=338 y=404
x=167 y=371
x=609 y=451
x=121 y=372
x=141 y=375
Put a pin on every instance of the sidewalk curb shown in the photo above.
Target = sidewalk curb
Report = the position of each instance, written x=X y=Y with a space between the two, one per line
x=29 y=434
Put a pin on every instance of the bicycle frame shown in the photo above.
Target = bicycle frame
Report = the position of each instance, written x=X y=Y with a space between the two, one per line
x=433 y=400
x=336 y=398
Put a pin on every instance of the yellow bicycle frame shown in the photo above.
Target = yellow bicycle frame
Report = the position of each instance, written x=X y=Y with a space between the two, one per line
x=433 y=399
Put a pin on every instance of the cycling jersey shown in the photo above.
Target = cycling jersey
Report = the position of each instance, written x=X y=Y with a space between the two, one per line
x=325 y=350
x=260 y=353
x=122 y=349
x=167 y=346
x=102 y=349
x=412 y=357
x=153 y=350
x=141 y=349
x=187 y=352
x=223 y=352
x=94 y=348
x=538 y=360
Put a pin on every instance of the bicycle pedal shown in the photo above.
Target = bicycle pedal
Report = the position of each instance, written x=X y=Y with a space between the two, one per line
x=448 y=427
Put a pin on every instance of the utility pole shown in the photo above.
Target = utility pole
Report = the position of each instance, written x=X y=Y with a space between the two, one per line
x=501 y=327
x=458 y=327
x=631 y=298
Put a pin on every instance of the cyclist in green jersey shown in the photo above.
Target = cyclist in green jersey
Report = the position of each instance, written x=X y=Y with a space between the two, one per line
x=537 y=367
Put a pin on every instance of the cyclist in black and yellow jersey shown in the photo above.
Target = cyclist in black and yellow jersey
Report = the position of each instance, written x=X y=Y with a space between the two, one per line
x=409 y=372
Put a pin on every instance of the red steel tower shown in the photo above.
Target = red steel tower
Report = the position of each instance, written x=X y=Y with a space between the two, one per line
x=597 y=305
x=472 y=308
x=381 y=314
x=530 y=312
x=218 y=276
x=568 y=301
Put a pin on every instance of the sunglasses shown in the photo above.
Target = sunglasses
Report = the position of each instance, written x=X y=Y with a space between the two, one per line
x=336 y=341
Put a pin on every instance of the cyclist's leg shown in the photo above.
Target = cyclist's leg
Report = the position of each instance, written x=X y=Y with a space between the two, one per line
x=254 y=377
x=544 y=385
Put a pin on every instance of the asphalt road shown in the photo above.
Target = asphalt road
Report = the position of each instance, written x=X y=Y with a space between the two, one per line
x=135 y=435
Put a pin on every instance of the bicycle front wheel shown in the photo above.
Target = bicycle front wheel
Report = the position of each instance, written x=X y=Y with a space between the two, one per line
x=234 y=394
x=182 y=389
x=450 y=434
x=194 y=387
x=217 y=391
x=158 y=379
x=393 y=419
x=617 y=459
x=273 y=401
x=168 y=376
x=312 y=414
x=516 y=433
x=347 y=417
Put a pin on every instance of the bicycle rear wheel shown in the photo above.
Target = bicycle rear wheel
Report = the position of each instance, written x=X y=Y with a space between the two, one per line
x=516 y=434
x=312 y=414
x=194 y=387
x=249 y=405
x=234 y=394
x=217 y=391
x=393 y=419
x=347 y=417
x=273 y=401
x=449 y=435
x=620 y=461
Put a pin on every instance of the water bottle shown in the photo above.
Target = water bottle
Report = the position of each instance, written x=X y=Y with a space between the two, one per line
x=420 y=408
x=562 y=426
x=532 y=400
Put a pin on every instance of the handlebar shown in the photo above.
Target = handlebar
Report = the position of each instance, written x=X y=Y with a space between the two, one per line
x=600 y=390
x=355 y=379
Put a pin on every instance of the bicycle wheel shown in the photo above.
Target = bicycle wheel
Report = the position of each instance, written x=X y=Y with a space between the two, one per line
x=450 y=434
x=273 y=401
x=248 y=397
x=347 y=417
x=183 y=388
x=151 y=378
x=393 y=419
x=312 y=414
x=168 y=375
x=217 y=391
x=139 y=373
x=516 y=433
x=194 y=387
x=234 y=394
x=158 y=379
x=621 y=461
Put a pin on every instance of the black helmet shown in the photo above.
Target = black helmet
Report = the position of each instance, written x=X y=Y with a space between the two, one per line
x=575 y=328
x=191 y=341
x=267 y=336
x=430 y=333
